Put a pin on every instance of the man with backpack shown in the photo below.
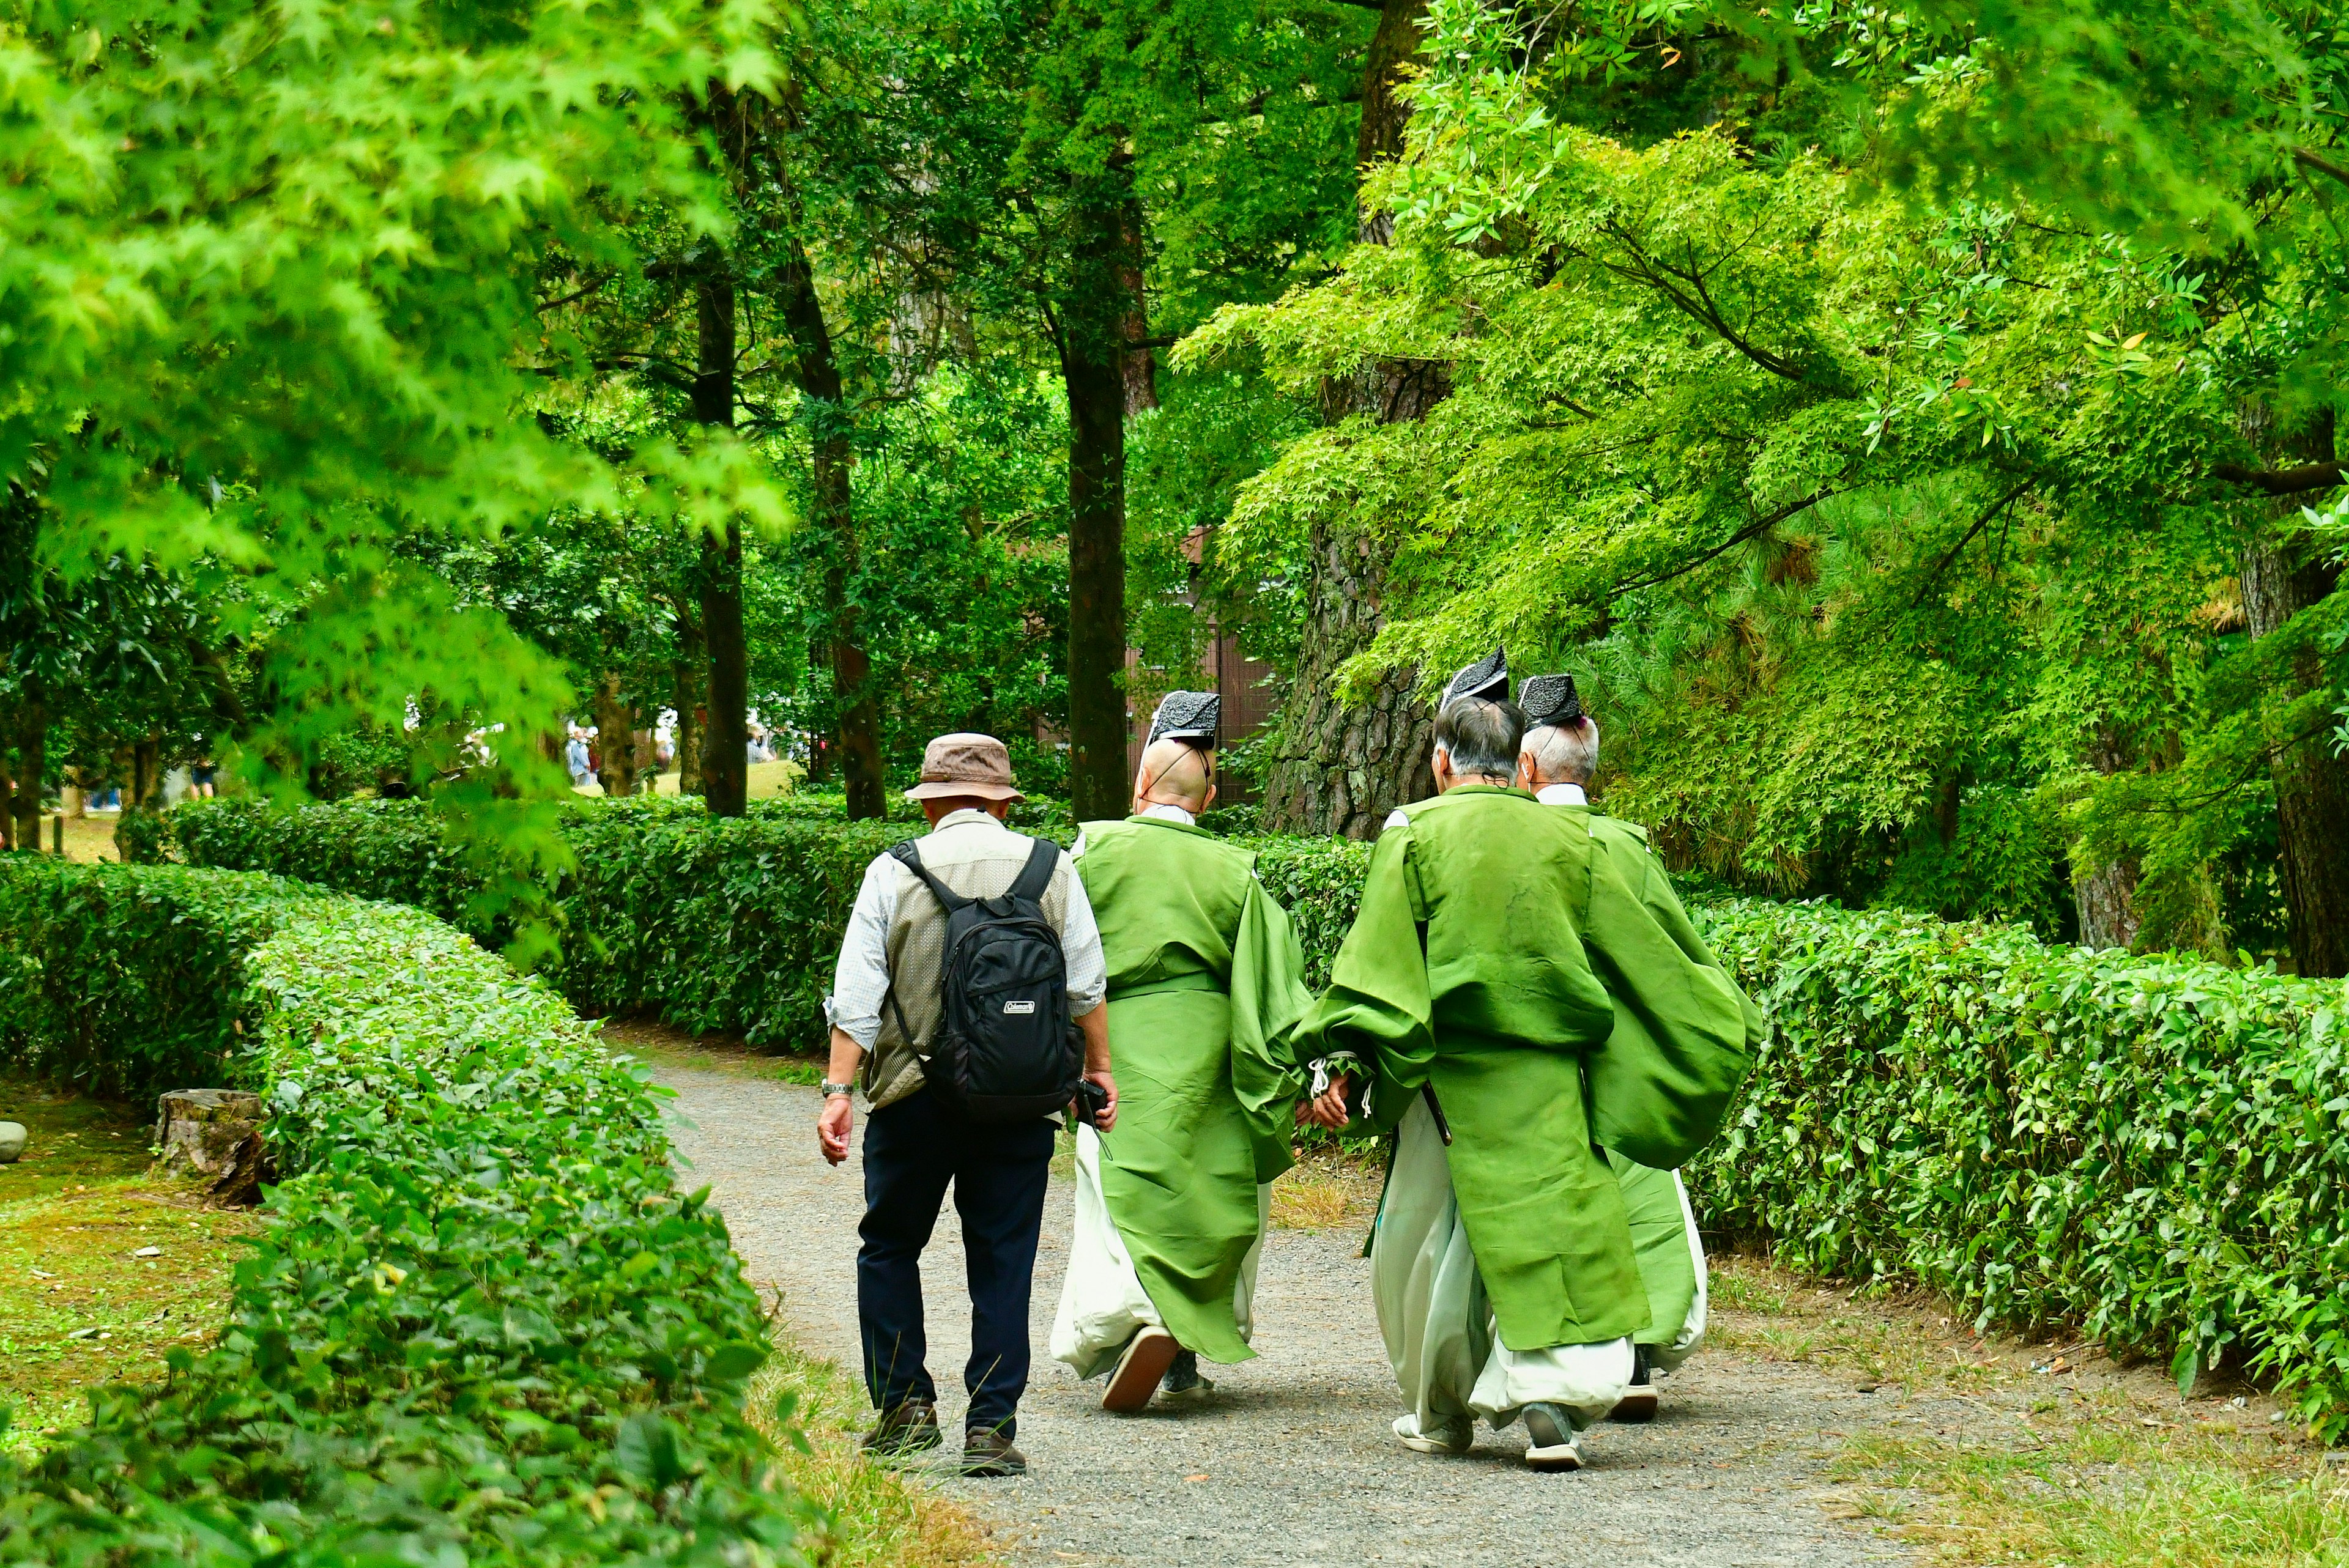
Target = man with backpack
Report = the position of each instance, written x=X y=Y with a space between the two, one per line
x=968 y=1005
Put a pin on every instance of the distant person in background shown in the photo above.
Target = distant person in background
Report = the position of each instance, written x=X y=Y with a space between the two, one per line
x=576 y=757
x=200 y=779
x=1209 y=980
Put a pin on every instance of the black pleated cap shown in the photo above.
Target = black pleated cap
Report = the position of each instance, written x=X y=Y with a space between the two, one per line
x=1487 y=677
x=1550 y=699
x=1189 y=715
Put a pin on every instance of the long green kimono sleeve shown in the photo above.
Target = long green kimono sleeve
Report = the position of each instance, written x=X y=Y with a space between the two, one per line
x=1268 y=1002
x=1684 y=1035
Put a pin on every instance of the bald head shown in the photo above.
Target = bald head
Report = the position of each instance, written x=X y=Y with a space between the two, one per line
x=1175 y=773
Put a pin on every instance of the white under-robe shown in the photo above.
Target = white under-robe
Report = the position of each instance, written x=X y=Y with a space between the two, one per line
x=1438 y=1323
x=1103 y=1304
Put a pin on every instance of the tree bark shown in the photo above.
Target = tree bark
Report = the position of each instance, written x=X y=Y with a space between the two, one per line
x=2106 y=897
x=1342 y=766
x=2312 y=785
x=856 y=706
x=1093 y=372
x=616 y=733
x=725 y=762
x=31 y=761
x=687 y=699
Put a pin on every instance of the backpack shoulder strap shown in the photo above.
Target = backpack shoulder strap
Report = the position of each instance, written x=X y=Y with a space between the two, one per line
x=1036 y=876
x=909 y=855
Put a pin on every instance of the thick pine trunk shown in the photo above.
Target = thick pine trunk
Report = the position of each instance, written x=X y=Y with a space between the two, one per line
x=856 y=705
x=726 y=743
x=1342 y=766
x=1093 y=370
x=2280 y=579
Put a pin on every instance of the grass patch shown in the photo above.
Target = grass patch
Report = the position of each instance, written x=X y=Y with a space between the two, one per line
x=2098 y=1493
x=2043 y=1453
x=78 y=1307
x=875 y=1515
x=1328 y=1188
x=661 y=1046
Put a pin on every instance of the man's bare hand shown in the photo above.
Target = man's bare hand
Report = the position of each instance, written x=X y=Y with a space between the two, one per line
x=832 y=1127
x=1107 y=1117
x=1327 y=1108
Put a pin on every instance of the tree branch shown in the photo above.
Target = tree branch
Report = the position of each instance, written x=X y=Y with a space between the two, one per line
x=2280 y=481
x=1758 y=526
x=2000 y=505
x=2330 y=169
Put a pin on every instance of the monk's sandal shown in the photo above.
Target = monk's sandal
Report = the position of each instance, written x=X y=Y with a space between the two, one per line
x=1443 y=1440
x=1183 y=1385
x=1553 y=1439
x=1639 y=1401
x=1147 y=1355
x=905 y=1429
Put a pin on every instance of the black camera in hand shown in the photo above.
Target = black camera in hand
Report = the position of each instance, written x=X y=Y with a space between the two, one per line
x=1090 y=1101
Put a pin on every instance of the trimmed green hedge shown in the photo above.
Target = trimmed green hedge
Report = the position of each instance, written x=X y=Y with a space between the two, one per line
x=2151 y=1148
x=2155 y=1150
x=481 y=1325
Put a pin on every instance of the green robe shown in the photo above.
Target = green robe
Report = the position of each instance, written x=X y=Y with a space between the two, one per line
x=1206 y=987
x=1466 y=970
x=1664 y=980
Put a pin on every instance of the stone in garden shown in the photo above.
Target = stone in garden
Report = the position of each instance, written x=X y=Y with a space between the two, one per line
x=12 y=1141
x=215 y=1132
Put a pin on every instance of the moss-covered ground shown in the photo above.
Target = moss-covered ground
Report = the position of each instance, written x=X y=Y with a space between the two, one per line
x=104 y=1267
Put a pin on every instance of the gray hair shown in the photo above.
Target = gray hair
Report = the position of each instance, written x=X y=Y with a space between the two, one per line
x=1481 y=735
x=1566 y=753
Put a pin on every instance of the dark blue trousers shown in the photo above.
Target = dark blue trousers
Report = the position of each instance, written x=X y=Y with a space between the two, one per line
x=1000 y=1170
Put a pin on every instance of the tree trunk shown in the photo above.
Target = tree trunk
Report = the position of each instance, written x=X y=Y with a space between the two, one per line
x=2279 y=580
x=725 y=760
x=1339 y=767
x=2106 y=897
x=31 y=761
x=855 y=704
x=615 y=734
x=687 y=699
x=1093 y=370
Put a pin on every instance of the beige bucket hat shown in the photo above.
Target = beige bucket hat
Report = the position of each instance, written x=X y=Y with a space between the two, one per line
x=965 y=765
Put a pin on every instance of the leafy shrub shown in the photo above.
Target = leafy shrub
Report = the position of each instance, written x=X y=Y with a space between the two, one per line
x=115 y=986
x=2154 y=1149
x=481 y=1325
x=2149 y=1147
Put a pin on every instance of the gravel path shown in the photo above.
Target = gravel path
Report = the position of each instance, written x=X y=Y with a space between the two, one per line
x=1291 y=1462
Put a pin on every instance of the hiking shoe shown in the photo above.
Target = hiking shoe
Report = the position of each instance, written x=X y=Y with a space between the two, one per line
x=1183 y=1385
x=909 y=1427
x=988 y=1452
x=1553 y=1439
x=1443 y=1440
x=1147 y=1355
x=1639 y=1401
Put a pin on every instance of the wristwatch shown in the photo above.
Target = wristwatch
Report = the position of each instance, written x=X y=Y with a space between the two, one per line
x=832 y=1089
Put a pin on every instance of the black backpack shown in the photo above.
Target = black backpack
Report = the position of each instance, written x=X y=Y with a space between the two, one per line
x=1006 y=1048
